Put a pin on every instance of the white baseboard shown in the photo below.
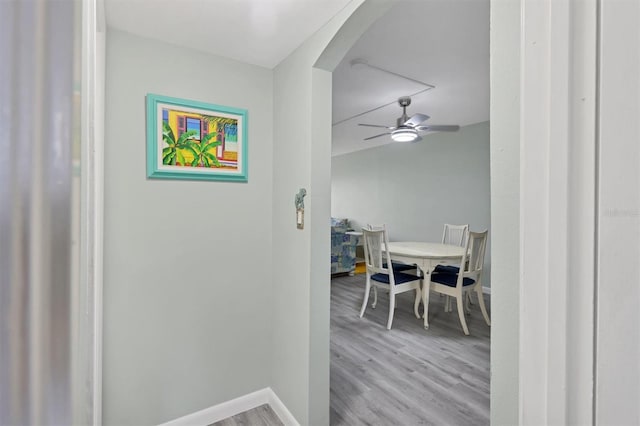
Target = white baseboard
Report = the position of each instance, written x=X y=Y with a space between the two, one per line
x=281 y=410
x=236 y=406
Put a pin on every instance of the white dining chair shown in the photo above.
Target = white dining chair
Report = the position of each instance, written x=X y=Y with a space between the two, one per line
x=455 y=235
x=379 y=275
x=468 y=278
x=397 y=266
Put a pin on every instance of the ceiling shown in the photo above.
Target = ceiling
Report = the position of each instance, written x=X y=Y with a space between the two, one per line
x=258 y=32
x=444 y=43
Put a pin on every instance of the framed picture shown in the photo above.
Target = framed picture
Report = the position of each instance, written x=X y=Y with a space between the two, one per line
x=195 y=140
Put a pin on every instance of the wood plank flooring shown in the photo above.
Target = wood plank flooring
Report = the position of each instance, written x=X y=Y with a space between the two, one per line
x=406 y=375
x=259 y=416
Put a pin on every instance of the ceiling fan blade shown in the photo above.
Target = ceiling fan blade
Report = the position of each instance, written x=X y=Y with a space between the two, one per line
x=376 y=136
x=440 y=128
x=377 y=125
x=416 y=119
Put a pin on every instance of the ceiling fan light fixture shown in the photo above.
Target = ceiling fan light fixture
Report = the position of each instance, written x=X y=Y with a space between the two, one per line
x=404 y=135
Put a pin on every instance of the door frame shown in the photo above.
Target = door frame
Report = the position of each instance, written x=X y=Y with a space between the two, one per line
x=555 y=136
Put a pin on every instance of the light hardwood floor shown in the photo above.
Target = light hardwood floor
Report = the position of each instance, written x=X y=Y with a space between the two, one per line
x=406 y=375
x=400 y=377
x=259 y=416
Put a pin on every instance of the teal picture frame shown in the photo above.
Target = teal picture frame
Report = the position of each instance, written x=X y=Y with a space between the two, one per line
x=195 y=140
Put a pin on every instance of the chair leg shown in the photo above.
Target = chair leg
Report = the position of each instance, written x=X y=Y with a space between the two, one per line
x=375 y=297
x=483 y=308
x=367 y=291
x=463 y=321
x=467 y=309
x=392 y=308
x=416 y=303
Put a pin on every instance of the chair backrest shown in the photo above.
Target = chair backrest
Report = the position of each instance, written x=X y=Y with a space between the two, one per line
x=374 y=255
x=475 y=248
x=456 y=235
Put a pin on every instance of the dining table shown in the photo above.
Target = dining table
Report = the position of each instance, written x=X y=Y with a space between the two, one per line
x=426 y=256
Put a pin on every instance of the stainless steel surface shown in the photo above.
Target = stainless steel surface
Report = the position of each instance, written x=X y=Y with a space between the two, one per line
x=376 y=136
x=415 y=119
x=36 y=122
x=377 y=125
x=440 y=128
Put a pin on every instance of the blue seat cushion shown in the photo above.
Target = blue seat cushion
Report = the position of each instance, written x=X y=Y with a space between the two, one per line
x=399 y=267
x=451 y=280
x=400 y=278
x=446 y=269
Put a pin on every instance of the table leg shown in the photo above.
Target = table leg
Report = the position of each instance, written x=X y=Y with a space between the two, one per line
x=426 y=285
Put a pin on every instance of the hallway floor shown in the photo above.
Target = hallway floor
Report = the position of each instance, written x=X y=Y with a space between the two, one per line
x=406 y=375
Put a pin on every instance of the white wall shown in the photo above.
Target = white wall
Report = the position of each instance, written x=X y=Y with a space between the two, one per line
x=302 y=113
x=618 y=295
x=505 y=210
x=292 y=378
x=415 y=188
x=187 y=264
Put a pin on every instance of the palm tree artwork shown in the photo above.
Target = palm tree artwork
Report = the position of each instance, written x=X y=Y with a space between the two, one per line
x=202 y=152
x=172 y=154
x=195 y=140
x=187 y=150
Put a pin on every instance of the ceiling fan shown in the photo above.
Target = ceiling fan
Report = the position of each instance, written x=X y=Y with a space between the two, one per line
x=407 y=128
